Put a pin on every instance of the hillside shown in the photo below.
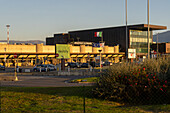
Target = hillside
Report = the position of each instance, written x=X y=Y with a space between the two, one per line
x=162 y=37
x=29 y=41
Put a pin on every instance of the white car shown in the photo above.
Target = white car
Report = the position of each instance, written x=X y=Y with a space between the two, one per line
x=51 y=67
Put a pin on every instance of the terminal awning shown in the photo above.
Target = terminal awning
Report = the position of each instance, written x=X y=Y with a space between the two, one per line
x=103 y=55
x=51 y=56
x=42 y=56
x=22 y=56
x=114 y=56
x=3 y=56
x=11 y=56
x=73 y=56
x=109 y=55
x=31 y=56
x=85 y=55
x=91 y=55
x=80 y=56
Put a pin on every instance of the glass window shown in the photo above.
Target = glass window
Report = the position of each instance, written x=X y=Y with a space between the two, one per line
x=138 y=40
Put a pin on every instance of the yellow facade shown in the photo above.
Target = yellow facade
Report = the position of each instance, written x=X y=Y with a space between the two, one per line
x=28 y=54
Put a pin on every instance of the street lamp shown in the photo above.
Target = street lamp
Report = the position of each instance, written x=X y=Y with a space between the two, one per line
x=5 y=56
x=126 y=35
x=148 y=34
x=8 y=33
x=100 y=58
x=157 y=44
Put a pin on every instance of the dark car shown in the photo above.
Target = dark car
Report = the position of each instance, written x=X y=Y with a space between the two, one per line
x=107 y=64
x=2 y=67
x=43 y=68
x=51 y=67
x=72 y=65
x=84 y=65
x=98 y=65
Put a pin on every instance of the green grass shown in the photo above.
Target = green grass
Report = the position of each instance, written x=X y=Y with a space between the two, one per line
x=90 y=79
x=64 y=100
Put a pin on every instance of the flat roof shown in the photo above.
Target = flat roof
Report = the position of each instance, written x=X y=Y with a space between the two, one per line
x=143 y=27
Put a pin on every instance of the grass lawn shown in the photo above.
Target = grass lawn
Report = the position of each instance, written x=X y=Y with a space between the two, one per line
x=64 y=100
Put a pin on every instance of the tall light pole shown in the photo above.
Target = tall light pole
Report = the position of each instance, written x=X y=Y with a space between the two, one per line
x=100 y=59
x=157 y=44
x=148 y=34
x=8 y=33
x=5 y=56
x=126 y=35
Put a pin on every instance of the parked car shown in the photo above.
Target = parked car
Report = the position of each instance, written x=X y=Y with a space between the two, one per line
x=51 y=67
x=107 y=63
x=66 y=64
x=44 y=68
x=18 y=69
x=73 y=65
x=78 y=65
x=84 y=65
x=2 y=67
x=98 y=65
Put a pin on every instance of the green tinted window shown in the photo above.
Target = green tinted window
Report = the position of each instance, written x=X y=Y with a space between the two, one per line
x=138 y=40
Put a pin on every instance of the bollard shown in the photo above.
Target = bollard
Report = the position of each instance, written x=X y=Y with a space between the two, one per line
x=68 y=68
x=90 y=69
x=40 y=69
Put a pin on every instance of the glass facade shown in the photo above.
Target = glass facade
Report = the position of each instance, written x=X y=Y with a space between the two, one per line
x=138 y=40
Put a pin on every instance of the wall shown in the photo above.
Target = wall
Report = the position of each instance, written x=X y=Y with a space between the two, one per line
x=167 y=47
x=18 y=48
x=40 y=48
x=48 y=49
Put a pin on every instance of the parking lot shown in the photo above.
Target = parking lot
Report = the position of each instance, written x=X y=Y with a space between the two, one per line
x=44 y=79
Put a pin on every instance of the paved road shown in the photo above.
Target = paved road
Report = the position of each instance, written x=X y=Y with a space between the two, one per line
x=43 y=81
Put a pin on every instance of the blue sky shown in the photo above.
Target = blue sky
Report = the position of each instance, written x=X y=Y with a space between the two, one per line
x=38 y=19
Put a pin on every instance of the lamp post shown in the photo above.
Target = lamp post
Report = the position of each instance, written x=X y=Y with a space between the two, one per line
x=100 y=59
x=126 y=35
x=5 y=56
x=8 y=33
x=148 y=34
x=157 y=44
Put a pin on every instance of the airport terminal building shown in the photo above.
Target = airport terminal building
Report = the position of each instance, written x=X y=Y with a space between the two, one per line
x=112 y=36
x=80 y=46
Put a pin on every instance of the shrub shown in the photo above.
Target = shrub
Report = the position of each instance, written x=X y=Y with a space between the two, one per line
x=143 y=84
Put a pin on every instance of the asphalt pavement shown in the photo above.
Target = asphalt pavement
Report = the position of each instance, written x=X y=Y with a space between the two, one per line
x=44 y=81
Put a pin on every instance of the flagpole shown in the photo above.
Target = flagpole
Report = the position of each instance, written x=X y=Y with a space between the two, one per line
x=126 y=35
x=148 y=34
x=102 y=37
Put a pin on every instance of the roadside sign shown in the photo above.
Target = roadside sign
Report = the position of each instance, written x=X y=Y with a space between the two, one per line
x=57 y=55
x=63 y=51
x=15 y=55
x=131 y=53
x=98 y=45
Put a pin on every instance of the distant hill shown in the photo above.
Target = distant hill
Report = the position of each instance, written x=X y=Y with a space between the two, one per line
x=162 y=37
x=26 y=42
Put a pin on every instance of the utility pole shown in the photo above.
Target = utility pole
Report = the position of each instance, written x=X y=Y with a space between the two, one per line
x=148 y=34
x=8 y=33
x=157 y=44
x=100 y=60
x=126 y=35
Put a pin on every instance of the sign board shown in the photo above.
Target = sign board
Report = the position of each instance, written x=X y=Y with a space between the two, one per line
x=131 y=53
x=15 y=55
x=57 y=55
x=63 y=50
x=98 y=45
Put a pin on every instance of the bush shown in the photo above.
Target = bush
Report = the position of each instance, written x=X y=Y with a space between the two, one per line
x=144 y=84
